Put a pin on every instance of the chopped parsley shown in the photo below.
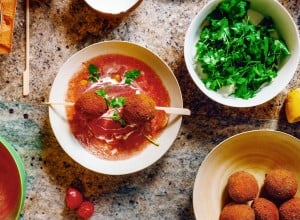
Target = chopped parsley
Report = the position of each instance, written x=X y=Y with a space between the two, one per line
x=102 y=93
x=131 y=75
x=94 y=74
x=116 y=117
x=115 y=103
x=234 y=53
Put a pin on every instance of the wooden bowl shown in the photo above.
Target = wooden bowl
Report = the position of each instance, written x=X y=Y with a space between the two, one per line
x=256 y=152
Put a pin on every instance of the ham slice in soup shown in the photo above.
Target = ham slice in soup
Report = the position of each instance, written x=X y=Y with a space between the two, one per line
x=108 y=130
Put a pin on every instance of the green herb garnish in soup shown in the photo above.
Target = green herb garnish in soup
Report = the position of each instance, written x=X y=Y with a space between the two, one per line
x=116 y=117
x=102 y=93
x=239 y=50
x=104 y=122
x=116 y=102
x=131 y=75
x=94 y=74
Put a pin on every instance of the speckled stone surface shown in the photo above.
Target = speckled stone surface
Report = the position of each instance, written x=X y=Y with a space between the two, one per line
x=162 y=191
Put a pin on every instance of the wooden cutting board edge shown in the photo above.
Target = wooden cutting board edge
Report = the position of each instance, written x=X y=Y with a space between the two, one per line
x=8 y=11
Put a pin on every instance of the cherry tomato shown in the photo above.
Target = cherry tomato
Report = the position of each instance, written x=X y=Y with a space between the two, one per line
x=73 y=198
x=85 y=210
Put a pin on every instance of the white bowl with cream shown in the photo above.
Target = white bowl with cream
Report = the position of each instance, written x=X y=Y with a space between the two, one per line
x=73 y=147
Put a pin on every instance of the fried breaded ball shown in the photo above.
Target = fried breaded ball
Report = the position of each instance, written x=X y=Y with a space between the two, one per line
x=290 y=209
x=280 y=184
x=139 y=108
x=91 y=104
x=234 y=211
x=264 y=209
x=242 y=186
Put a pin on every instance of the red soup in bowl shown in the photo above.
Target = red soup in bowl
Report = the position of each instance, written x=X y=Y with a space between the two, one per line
x=12 y=182
x=116 y=79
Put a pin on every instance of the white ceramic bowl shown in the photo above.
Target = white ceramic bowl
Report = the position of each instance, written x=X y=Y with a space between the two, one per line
x=113 y=7
x=256 y=152
x=286 y=27
x=61 y=127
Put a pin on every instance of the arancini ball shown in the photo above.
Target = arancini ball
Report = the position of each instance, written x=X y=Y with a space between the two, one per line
x=139 y=108
x=91 y=104
x=242 y=186
x=290 y=209
x=280 y=184
x=264 y=209
x=234 y=211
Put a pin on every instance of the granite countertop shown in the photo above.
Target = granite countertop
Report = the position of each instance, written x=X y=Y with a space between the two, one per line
x=162 y=191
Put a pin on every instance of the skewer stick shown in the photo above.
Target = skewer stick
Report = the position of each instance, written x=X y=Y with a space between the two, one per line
x=173 y=110
x=169 y=110
x=26 y=72
x=58 y=103
x=0 y=15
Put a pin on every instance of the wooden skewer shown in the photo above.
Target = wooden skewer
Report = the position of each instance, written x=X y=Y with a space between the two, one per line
x=58 y=103
x=0 y=15
x=169 y=110
x=174 y=110
x=26 y=72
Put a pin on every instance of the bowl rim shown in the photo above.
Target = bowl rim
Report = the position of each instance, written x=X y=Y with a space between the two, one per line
x=21 y=171
x=95 y=163
x=94 y=5
x=218 y=147
x=194 y=28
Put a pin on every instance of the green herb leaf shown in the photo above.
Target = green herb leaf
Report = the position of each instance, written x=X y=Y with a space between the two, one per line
x=101 y=92
x=235 y=9
x=232 y=51
x=113 y=103
x=116 y=117
x=94 y=74
x=117 y=102
x=93 y=69
x=131 y=75
x=151 y=140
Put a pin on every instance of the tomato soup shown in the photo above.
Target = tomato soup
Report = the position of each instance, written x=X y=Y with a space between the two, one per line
x=10 y=185
x=102 y=135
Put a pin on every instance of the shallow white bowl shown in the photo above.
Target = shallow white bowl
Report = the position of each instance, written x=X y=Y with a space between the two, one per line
x=61 y=127
x=256 y=152
x=113 y=7
x=287 y=29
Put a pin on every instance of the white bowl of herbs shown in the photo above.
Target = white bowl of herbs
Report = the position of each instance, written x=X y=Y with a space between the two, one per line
x=242 y=53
